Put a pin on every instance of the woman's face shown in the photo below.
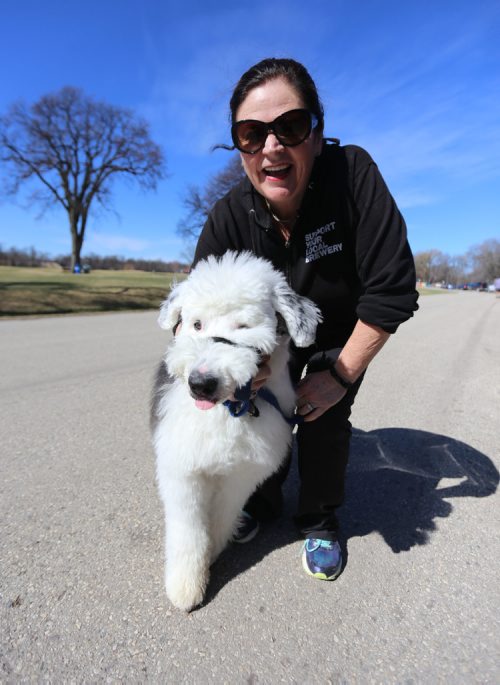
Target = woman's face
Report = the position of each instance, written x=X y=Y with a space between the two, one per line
x=279 y=173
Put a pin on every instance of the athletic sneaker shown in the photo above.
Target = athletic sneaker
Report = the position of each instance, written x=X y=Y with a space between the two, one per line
x=248 y=529
x=322 y=558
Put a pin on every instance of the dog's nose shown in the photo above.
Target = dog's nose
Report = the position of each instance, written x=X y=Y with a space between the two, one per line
x=202 y=384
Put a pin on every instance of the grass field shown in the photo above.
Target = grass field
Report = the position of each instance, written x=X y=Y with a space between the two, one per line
x=25 y=291
x=29 y=292
x=435 y=291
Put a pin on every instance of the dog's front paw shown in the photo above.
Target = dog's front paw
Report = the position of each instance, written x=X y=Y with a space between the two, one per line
x=184 y=590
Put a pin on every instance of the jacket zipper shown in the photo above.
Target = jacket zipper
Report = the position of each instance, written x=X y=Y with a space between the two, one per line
x=288 y=261
x=289 y=247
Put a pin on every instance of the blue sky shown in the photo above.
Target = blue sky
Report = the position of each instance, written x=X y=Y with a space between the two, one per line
x=416 y=83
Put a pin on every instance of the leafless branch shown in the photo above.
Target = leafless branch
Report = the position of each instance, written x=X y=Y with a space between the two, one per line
x=67 y=148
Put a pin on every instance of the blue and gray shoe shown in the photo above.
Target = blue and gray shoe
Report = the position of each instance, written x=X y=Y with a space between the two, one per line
x=322 y=558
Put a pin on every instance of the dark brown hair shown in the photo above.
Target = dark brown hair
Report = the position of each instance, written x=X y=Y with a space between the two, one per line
x=290 y=70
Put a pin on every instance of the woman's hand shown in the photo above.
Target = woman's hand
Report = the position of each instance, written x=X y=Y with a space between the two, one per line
x=316 y=393
x=319 y=391
x=261 y=377
x=263 y=374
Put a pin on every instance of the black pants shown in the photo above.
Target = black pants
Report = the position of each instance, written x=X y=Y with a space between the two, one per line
x=323 y=452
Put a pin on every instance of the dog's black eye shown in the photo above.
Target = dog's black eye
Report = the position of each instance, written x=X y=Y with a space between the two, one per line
x=197 y=325
x=242 y=325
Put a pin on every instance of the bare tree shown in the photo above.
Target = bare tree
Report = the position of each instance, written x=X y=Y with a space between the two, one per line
x=69 y=148
x=198 y=203
x=485 y=260
x=481 y=263
x=427 y=265
x=442 y=268
x=458 y=269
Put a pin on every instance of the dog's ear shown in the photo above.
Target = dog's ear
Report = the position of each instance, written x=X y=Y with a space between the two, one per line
x=301 y=315
x=170 y=310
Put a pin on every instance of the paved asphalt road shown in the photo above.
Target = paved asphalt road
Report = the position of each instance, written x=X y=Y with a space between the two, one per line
x=81 y=525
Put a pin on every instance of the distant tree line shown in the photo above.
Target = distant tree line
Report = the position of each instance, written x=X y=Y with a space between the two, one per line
x=481 y=263
x=33 y=258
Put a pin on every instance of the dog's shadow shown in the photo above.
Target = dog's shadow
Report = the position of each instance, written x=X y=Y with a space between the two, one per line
x=399 y=481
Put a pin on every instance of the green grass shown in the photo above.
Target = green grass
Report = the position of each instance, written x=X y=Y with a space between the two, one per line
x=25 y=291
x=435 y=291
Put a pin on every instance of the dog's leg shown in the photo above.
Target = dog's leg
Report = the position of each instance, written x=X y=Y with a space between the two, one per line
x=187 y=540
x=232 y=492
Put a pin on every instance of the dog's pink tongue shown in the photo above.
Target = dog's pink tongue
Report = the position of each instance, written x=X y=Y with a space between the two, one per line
x=204 y=404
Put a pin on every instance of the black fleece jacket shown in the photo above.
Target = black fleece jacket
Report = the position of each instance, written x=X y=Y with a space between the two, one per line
x=348 y=251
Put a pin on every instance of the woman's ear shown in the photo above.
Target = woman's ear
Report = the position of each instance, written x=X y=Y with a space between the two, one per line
x=318 y=142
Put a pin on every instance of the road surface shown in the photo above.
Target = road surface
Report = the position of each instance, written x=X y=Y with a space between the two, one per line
x=81 y=524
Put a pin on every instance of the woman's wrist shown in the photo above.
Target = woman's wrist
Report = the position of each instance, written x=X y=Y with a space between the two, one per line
x=365 y=342
x=338 y=377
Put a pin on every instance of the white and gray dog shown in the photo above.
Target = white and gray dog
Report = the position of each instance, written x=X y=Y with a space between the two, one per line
x=232 y=310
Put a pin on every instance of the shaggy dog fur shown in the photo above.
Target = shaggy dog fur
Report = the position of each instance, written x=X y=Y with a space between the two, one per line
x=208 y=462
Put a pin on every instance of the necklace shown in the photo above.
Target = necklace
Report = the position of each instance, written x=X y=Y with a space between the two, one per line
x=283 y=222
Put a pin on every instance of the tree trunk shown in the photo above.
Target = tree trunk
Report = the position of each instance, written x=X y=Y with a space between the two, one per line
x=76 y=245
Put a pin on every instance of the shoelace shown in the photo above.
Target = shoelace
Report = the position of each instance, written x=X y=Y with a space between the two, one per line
x=317 y=543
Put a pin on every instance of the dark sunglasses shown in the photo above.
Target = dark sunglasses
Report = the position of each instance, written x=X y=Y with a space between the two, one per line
x=290 y=128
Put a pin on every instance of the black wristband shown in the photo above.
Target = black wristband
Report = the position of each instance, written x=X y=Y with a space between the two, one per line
x=334 y=373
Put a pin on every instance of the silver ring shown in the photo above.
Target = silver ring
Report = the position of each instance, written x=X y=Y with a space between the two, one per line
x=311 y=407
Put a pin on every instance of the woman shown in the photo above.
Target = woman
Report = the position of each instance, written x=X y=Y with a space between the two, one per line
x=323 y=215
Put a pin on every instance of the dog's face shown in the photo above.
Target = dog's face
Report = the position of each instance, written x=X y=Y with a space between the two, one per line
x=215 y=354
x=228 y=311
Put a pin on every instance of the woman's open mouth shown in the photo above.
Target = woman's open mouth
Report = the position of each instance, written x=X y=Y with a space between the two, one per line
x=278 y=172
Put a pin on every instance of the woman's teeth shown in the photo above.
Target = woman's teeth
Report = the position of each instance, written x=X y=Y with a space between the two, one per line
x=278 y=171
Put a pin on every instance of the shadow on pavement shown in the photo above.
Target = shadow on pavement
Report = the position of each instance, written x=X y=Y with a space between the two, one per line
x=399 y=481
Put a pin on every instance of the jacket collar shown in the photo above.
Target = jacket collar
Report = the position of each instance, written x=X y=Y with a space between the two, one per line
x=255 y=203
